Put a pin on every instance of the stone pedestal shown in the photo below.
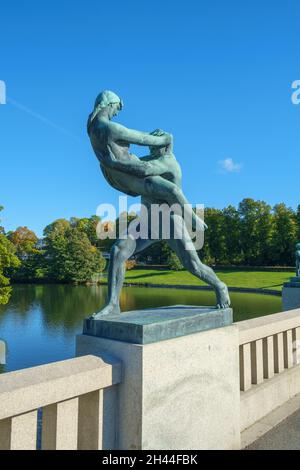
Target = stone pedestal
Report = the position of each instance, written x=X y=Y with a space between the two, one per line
x=291 y=294
x=180 y=385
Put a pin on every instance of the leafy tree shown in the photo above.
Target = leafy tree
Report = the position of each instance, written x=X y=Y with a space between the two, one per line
x=1 y=228
x=173 y=262
x=232 y=235
x=81 y=258
x=55 y=247
x=24 y=240
x=32 y=260
x=70 y=255
x=87 y=226
x=152 y=255
x=297 y=216
x=58 y=227
x=249 y=223
x=256 y=229
x=8 y=259
x=284 y=235
x=265 y=228
x=215 y=236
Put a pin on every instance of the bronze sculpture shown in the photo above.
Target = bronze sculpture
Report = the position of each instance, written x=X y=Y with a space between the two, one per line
x=157 y=179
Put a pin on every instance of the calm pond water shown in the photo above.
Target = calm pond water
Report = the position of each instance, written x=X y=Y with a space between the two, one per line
x=40 y=322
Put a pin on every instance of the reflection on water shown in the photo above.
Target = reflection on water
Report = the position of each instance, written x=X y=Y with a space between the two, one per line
x=40 y=322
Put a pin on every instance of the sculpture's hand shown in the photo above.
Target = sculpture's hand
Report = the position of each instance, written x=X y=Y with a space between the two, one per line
x=169 y=138
x=158 y=132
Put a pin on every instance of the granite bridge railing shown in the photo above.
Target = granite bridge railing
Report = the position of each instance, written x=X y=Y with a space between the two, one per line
x=74 y=404
x=71 y=395
x=269 y=364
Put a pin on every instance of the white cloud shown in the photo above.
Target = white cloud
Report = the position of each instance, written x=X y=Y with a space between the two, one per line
x=229 y=166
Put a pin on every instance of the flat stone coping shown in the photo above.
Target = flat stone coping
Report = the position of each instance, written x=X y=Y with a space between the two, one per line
x=294 y=282
x=156 y=324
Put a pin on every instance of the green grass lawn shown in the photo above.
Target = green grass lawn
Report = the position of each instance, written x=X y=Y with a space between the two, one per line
x=256 y=279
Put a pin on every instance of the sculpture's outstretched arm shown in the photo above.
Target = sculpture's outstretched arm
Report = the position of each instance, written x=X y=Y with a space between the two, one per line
x=121 y=133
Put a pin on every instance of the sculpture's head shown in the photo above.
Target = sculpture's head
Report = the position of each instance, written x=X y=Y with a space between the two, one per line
x=109 y=101
x=298 y=246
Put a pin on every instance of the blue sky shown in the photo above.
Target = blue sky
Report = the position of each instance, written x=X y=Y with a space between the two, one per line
x=216 y=74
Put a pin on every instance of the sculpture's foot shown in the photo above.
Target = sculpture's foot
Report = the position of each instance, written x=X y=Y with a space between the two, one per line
x=223 y=299
x=109 y=309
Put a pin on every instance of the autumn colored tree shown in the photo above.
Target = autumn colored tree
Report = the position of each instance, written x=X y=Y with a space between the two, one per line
x=24 y=240
x=31 y=257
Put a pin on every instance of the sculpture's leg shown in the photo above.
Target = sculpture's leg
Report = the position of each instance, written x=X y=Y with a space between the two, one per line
x=191 y=261
x=166 y=191
x=159 y=190
x=121 y=251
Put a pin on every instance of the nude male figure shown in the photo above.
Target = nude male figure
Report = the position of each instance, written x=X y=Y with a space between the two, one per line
x=157 y=178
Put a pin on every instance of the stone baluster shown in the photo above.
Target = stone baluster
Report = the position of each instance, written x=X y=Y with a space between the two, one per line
x=278 y=353
x=257 y=373
x=97 y=420
x=268 y=357
x=288 y=349
x=60 y=426
x=19 y=432
x=296 y=346
x=245 y=367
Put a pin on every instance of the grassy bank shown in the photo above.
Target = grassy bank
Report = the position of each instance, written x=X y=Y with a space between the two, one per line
x=254 y=280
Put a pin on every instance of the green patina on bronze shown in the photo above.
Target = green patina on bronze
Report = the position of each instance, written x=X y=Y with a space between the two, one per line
x=155 y=177
x=158 y=324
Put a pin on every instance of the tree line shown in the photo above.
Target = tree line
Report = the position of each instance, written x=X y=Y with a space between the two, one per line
x=253 y=234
